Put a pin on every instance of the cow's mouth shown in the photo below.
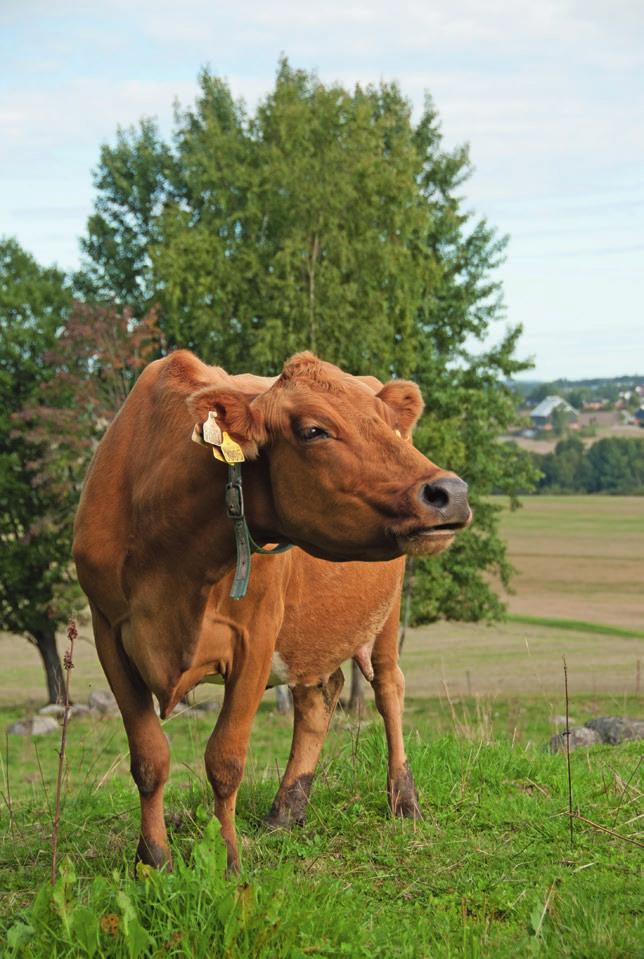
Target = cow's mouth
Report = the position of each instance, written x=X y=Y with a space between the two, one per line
x=450 y=528
x=430 y=539
x=440 y=529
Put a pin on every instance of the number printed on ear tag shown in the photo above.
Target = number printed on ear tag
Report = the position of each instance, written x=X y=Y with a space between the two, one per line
x=211 y=430
x=232 y=451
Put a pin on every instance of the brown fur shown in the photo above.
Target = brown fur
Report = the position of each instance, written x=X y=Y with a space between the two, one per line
x=154 y=551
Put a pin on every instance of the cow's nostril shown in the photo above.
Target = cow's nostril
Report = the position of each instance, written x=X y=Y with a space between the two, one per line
x=436 y=496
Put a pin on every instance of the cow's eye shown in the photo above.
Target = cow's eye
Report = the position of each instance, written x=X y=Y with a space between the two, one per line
x=308 y=433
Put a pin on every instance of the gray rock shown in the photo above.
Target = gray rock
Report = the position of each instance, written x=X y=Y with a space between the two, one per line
x=79 y=709
x=103 y=701
x=52 y=709
x=616 y=729
x=579 y=736
x=58 y=710
x=37 y=726
x=561 y=721
x=209 y=706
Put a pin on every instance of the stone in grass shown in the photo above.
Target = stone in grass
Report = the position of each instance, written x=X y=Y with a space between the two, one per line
x=52 y=709
x=37 y=726
x=79 y=709
x=103 y=701
x=616 y=729
x=610 y=730
x=561 y=721
x=57 y=709
x=579 y=736
x=208 y=706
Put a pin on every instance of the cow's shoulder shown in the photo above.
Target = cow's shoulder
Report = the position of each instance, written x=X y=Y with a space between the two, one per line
x=184 y=373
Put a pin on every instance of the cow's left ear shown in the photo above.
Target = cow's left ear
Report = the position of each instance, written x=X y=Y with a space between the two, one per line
x=237 y=415
x=405 y=399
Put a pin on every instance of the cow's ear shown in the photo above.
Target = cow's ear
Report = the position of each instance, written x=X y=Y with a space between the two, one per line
x=405 y=399
x=237 y=415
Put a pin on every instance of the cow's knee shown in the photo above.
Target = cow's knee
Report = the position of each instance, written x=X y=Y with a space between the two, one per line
x=225 y=775
x=150 y=772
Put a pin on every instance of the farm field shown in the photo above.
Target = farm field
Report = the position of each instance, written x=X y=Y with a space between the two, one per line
x=579 y=558
x=488 y=872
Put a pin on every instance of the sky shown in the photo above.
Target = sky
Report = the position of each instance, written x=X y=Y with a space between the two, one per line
x=549 y=95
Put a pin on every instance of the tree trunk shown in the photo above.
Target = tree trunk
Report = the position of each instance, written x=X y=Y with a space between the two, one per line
x=313 y=257
x=358 y=684
x=283 y=697
x=46 y=642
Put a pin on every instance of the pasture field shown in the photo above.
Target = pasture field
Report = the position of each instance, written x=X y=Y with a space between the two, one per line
x=488 y=872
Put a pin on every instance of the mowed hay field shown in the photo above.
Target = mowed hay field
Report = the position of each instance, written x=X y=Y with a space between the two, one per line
x=489 y=871
x=578 y=557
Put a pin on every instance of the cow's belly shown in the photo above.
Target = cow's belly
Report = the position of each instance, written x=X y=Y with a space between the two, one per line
x=308 y=656
x=278 y=677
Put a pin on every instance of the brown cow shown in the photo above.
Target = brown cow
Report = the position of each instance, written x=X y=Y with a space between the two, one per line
x=334 y=612
x=152 y=541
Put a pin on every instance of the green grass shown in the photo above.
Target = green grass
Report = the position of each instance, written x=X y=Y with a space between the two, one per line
x=488 y=872
x=577 y=626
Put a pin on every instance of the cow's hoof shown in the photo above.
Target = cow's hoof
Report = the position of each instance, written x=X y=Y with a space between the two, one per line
x=150 y=853
x=407 y=809
x=282 y=817
x=403 y=798
x=290 y=804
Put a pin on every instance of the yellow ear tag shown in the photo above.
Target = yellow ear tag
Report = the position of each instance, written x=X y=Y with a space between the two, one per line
x=211 y=431
x=398 y=434
x=231 y=450
x=217 y=454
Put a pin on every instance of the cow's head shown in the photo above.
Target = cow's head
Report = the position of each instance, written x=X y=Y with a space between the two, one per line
x=345 y=482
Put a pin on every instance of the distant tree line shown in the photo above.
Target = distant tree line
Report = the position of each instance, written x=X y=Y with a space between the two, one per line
x=327 y=220
x=612 y=465
x=578 y=392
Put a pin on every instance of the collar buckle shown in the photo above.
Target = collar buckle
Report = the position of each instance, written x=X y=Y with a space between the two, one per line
x=234 y=499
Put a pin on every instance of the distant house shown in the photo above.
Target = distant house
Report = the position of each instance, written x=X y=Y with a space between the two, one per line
x=638 y=416
x=541 y=415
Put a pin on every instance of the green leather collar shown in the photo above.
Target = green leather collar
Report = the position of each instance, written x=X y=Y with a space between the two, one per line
x=245 y=545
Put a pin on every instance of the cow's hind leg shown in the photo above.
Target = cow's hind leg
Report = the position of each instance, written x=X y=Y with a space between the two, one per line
x=149 y=750
x=227 y=747
x=389 y=689
x=313 y=708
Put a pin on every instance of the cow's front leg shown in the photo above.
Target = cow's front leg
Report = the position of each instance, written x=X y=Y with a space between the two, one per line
x=228 y=745
x=149 y=749
x=313 y=708
x=389 y=689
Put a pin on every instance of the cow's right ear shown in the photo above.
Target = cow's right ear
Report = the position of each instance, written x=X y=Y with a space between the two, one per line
x=236 y=415
x=406 y=400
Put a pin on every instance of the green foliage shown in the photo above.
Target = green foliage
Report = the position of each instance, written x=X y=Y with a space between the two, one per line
x=65 y=369
x=34 y=557
x=611 y=465
x=131 y=185
x=472 y=878
x=328 y=220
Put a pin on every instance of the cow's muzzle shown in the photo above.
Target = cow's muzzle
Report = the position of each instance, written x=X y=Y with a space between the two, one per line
x=441 y=510
x=447 y=498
